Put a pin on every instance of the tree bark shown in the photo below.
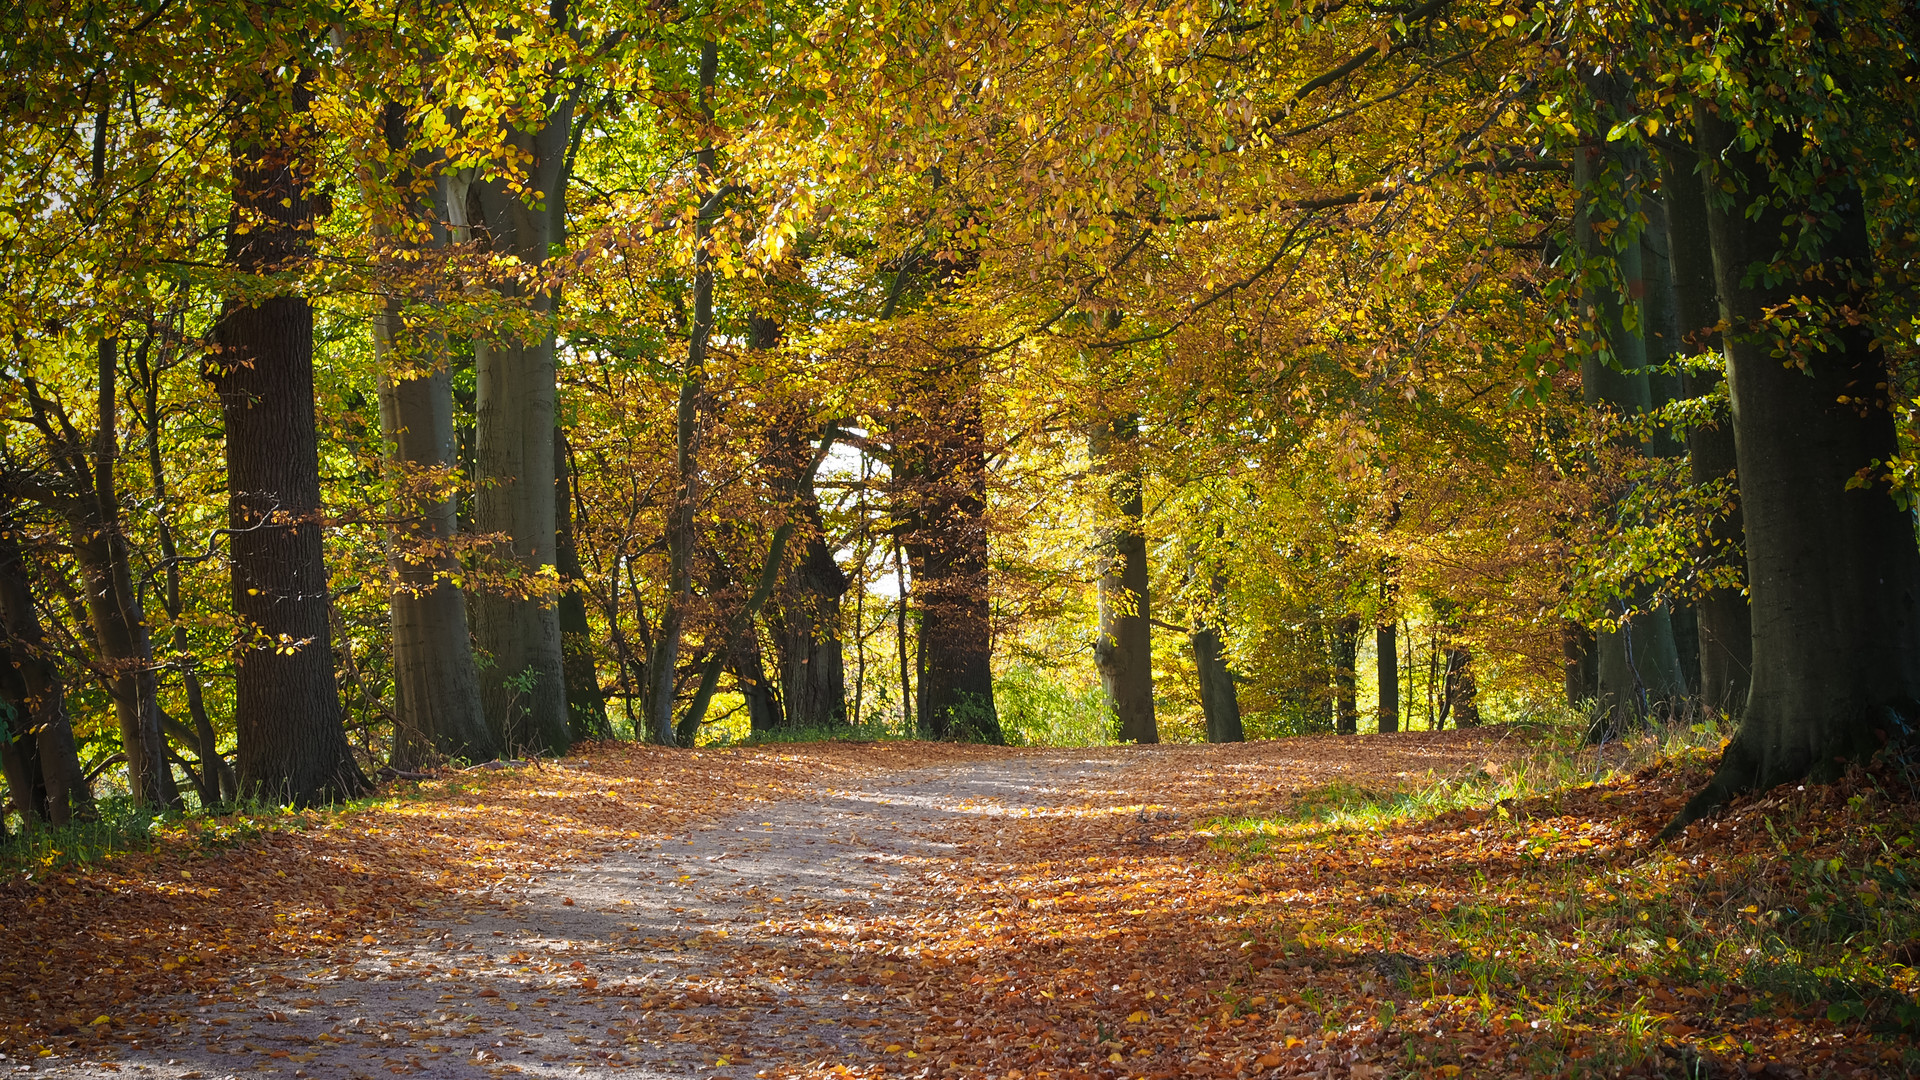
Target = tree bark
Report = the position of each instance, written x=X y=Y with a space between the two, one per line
x=1582 y=669
x=1462 y=694
x=1123 y=650
x=1346 y=649
x=43 y=765
x=663 y=665
x=438 y=706
x=748 y=664
x=1725 y=626
x=942 y=469
x=287 y=708
x=1387 y=656
x=806 y=618
x=1219 y=700
x=586 y=705
x=219 y=785
x=1831 y=562
x=524 y=686
x=1638 y=663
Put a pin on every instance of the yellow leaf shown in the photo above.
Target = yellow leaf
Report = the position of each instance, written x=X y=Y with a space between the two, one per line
x=101 y=1019
x=1139 y=1017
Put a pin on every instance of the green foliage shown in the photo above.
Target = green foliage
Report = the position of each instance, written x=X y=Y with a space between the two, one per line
x=1038 y=707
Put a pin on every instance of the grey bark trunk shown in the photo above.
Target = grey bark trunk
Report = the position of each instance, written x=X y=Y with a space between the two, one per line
x=524 y=687
x=586 y=705
x=806 y=619
x=1725 y=627
x=1462 y=692
x=947 y=546
x=1387 y=658
x=749 y=667
x=663 y=665
x=1638 y=663
x=1219 y=699
x=1831 y=564
x=1123 y=651
x=438 y=706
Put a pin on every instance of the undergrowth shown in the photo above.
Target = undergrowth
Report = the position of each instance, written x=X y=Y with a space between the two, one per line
x=1551 y=911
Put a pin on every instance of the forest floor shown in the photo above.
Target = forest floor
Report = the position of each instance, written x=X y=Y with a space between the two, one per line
x=1450 y=904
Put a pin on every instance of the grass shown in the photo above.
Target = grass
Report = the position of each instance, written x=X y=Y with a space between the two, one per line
x=1794 y=913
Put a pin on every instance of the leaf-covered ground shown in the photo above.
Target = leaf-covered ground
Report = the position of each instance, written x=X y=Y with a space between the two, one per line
x=1453 y=904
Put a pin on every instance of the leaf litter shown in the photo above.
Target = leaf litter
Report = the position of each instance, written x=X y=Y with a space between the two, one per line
x=1290 y=908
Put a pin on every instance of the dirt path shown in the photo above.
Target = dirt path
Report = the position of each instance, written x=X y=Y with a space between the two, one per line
x=661 y=960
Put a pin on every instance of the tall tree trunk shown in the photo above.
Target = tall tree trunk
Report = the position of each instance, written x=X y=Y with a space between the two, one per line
x=44 y=763
x=286 y=705
x=900 y=638
x=1831 y=563
x=1346 y=649
x=1725 y=627
x=217 y=777
x=524 y=687
x=942 y=470
x=437 y=701
x=806 y=618
x=1387 y=658
x=586 y=706
x=122 y=638
x=1638 y=662
x=1123 y=650
x=663 y=665
x=813 y=676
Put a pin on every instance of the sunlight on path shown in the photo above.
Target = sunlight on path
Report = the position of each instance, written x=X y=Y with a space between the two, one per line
x=756 y=944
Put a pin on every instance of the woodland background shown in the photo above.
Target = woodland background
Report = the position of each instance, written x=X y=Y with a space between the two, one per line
x=391 y=384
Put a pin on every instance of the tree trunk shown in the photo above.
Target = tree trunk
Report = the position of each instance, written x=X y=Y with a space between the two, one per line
x=1123 y=651
x=524 y=687
x=437 y=702
x=749 y=668
x=1387 y=656
x=1831 y=562
x=1582 y=670
x=942 y=468
x=1346 y=649
x=663 y=665
x=1462 y=695
x=1219 y=700
x=43 y=764
x=221 y=786
x=586 y=706
x=286 y=705
x=1725 y=627
x=806 y=619
x=813 y=676
x=1638 y=663
x=123 y=641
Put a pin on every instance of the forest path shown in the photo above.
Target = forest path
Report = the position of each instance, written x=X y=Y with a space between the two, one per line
x=669 y=956
x=991 y=909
